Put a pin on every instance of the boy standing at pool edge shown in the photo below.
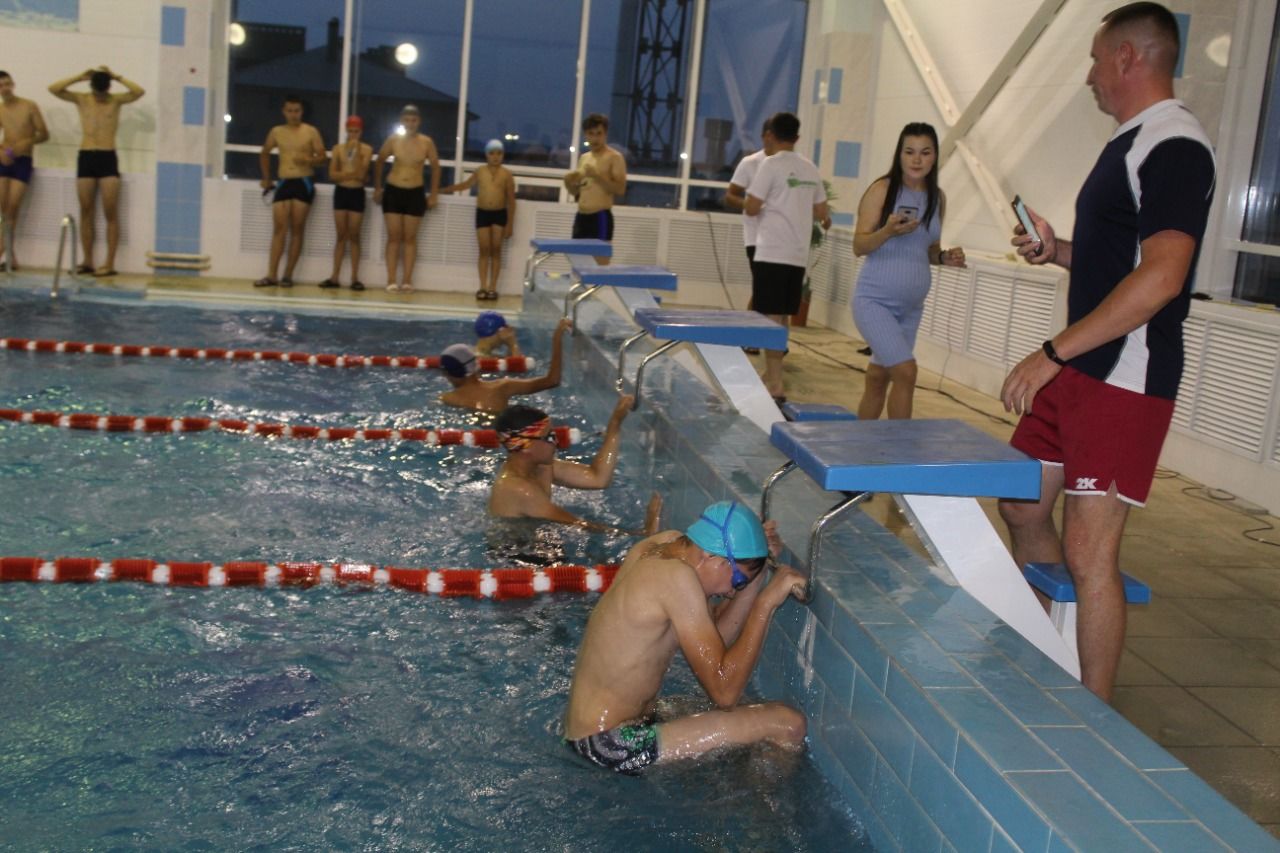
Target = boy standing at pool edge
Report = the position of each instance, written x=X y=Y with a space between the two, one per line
x=301 y=150
x=348 y=169
x=601 y=176
x=495 y=214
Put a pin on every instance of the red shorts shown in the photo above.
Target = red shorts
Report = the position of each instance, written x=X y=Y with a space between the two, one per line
x=1099 y=433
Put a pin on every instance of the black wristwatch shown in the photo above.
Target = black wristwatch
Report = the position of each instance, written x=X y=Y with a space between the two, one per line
x=1053 y=353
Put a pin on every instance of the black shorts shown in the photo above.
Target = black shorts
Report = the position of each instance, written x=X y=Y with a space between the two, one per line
x=19 y=170
x=598 y=225
x=294 y=189
x=97 y=163
x=349 y=198
x=409 y=201
x=751 y=255
x=487 y=218
x=776 y=288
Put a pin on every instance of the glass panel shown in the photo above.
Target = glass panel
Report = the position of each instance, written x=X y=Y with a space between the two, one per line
x=280 y=47
x=707 y=198
x=751 y=58
x=637 y=75
x=640 y=194
x=1258 y=278
x=1262 y=210
x=409 y=53
x=522 y=81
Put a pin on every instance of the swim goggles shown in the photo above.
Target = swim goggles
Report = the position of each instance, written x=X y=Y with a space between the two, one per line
x=522 y=438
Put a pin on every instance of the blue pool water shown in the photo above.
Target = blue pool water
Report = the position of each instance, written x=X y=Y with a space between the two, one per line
x=179 y=719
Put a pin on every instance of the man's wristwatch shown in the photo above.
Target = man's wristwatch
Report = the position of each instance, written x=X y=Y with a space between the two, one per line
x=1053 y=354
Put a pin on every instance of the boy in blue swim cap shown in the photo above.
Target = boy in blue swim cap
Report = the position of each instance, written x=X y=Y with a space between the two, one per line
x=494 y=333
x=660 y=601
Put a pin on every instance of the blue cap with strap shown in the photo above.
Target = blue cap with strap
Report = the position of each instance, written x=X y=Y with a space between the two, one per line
x=488 y=323
x=728 y=529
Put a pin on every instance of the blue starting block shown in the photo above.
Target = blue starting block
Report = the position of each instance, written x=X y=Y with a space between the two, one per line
x=917 y=457
x=1055 y=582
x=677 y=326
x=545 y=247
x=816 y=412
x=592 y=276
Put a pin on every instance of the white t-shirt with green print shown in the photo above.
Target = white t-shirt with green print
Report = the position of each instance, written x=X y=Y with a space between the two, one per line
x=789 y=185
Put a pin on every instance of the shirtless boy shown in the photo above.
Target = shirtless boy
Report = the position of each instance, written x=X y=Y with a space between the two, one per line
x=600 y=177
x=301 y=150
x=495 y=214
x=494 y=334
x=21 y=129
x=493 y=395
x=523 y=485
x=348 y=169
x=404 y=202
x=98 y=168
x=660 y=602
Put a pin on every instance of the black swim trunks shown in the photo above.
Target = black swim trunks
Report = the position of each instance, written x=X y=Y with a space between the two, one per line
x=294 y=189
x=598 y=225
x=348 y=198
x=19 y=170
x=486 y=218
x=409 y=201
x=97 y=163
x=627 y=749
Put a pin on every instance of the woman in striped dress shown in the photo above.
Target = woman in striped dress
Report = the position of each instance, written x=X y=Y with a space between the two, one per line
x=899 y=231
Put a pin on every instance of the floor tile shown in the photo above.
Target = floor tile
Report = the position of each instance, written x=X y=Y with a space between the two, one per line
x=1134 y=670
x=1254 y=709
x=1235 y=617
x=1264 y=582
x=1173 y=717
x=1247 y=776
x=1172 y=581
x=1203 y=662
x=1163 y=617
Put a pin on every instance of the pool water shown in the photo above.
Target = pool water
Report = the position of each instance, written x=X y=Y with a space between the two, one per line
x=176 y=719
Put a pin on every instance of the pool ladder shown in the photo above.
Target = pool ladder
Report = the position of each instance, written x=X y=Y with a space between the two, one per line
x=68 y=225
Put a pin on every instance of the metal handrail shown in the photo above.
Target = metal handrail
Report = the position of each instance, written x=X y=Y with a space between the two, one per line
x=68 y=224
x=6 y=229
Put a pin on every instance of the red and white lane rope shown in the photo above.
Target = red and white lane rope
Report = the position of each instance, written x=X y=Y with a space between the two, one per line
x=565 y=436
x=512 y=364
x=447 y=583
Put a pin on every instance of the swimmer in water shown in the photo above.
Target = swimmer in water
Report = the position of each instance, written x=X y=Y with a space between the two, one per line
x=660 y=602
x=522 y=488
x=494 y=333
x=462 y=369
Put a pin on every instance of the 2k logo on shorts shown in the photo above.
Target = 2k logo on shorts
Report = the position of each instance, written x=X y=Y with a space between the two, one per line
x=1086 y=484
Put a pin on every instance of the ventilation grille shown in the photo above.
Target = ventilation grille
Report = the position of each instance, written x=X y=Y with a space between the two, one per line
x=1237 y=379
x=698 y=249
x=553 y=222
x=988 y=312
x=1193 y=344
x=42 y=210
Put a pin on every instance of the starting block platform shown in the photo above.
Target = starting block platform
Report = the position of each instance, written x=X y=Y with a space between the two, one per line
x=592 y=276
x=545 y=247
x=936 y=468
x=676 y=326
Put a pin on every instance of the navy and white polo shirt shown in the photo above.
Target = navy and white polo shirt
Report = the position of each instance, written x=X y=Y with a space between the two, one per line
x=1155 y=174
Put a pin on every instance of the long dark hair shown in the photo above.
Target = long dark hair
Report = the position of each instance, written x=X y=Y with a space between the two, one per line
x=915 y=128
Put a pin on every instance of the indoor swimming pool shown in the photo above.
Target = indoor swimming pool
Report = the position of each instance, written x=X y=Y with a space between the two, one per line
x=335 y=718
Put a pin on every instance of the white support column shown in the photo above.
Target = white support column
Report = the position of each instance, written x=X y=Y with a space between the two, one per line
x=574 y=133
x=348 y=52
x=462 y=91
x=691 y=102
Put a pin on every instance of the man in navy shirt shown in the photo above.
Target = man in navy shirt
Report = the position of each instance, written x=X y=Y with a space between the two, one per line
x=1096 y=400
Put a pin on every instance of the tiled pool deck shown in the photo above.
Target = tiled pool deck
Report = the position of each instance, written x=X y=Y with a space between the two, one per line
x=943 y=728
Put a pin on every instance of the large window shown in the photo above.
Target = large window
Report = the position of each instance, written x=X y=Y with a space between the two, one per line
x=1258 y=272
x=521 y=86
x=520 y=71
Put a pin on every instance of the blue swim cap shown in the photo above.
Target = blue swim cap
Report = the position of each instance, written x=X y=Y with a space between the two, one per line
x=488 y=323
x=729 y=529
x=493 y=145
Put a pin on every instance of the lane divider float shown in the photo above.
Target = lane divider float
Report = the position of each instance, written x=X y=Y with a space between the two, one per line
x=511 y=364
x=494 y=584
x=434 y=436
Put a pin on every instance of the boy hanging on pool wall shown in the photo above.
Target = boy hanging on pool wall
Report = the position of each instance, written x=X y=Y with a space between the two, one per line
x=301 y=150
x=97 y=167
x=660 y=602
x=462 y=370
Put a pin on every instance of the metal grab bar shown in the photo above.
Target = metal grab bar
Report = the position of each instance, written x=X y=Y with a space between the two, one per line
x=6 y=229
x=68 y=224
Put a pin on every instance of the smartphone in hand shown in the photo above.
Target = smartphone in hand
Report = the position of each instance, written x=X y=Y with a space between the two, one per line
x=1020 y=210
x=909 y=211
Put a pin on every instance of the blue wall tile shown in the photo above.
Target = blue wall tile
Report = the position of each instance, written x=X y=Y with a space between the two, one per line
x=193 y=105
x=1021 y=696
x=835 y=80
x=1208 y=806
x=1141 y=751
x=937 y=730
x=817 y=152
x=1183 y=837
x=845 y=219
x=950 y=805
x=902 y=814
x=1114 y=779
x=1073 y=808
x=833 y=666
x=173 y=25
x=1184 y=29
x=994 y=732
x=817 y=85
x=848 y=156
x=883 y=725
x=851 y=749
x=1023 y=824
x=927 y=664
x=858 y=643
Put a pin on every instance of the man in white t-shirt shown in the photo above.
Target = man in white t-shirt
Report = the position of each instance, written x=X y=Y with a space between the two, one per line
x=786 y=196
x=735 y=198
